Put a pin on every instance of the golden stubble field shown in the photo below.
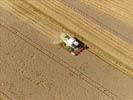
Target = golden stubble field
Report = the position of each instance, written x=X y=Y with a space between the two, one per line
x=32 y=68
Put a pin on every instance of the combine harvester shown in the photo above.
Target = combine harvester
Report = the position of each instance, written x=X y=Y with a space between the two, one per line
x=72 y=44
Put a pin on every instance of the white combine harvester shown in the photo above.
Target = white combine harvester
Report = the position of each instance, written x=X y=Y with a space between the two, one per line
x=72 y=44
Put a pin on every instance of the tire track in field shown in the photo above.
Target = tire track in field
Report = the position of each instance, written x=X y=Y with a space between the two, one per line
x=60 y=61
x=4 y=96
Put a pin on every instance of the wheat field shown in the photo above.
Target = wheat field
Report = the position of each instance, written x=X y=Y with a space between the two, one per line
x=33 y=67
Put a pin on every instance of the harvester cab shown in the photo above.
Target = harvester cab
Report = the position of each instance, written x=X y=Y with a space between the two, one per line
x=72 y=44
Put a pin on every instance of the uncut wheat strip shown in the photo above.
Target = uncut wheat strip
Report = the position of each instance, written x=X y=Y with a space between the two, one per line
x=96 y=48
x=104 y=5
x=109 y=8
